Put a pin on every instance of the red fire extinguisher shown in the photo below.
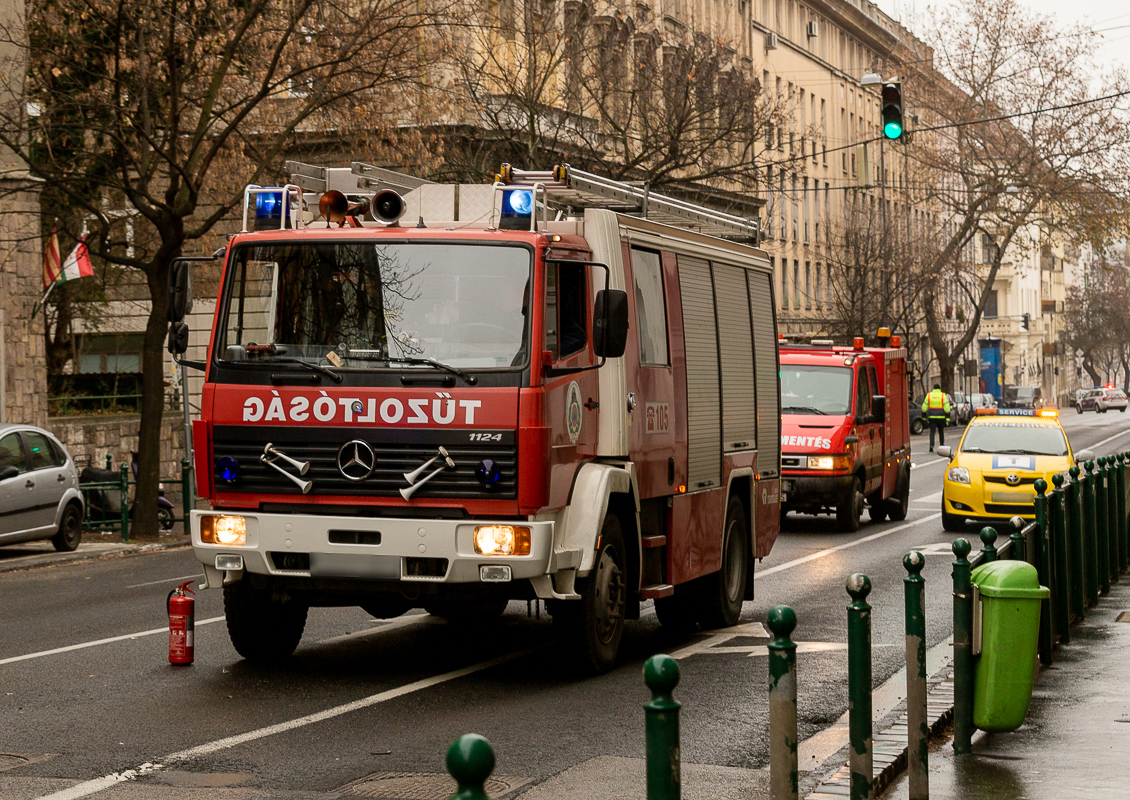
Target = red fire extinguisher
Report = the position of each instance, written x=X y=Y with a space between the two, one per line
x=181 y=623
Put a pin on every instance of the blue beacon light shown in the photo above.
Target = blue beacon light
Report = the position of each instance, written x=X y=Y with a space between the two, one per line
x=270 y=207
x=227 y=468
x=520 y=201
x=488 y=473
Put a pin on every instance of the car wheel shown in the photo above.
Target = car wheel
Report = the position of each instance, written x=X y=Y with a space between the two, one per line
x=262 y=625
x=723 y=591
x=1078 y=409
x=917 y=427
x=70 y=530
x=951 y=523
x=898 y=505
x=849 y=511
x=164 y=519
x=592 y=627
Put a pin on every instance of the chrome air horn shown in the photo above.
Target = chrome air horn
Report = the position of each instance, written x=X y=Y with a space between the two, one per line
x=411 y=490
x=303 y=485
x=270 y=450
x=411 y=476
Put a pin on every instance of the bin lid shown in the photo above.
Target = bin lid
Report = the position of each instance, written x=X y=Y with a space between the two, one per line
x=1009 y=579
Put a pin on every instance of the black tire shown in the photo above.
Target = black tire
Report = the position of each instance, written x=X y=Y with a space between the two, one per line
x=70 y=530
x=592 y=627
x=263 y=627
x=952 y=523
x=1078 y=409
x=876 y=507
x=468 y=613
x=851 y=509
x=724 y=591
x=386 y=607
x=164 y=519
x=899 y=505
x=917 y=427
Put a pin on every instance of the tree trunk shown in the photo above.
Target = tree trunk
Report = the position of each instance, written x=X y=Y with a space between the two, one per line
x=152 y=407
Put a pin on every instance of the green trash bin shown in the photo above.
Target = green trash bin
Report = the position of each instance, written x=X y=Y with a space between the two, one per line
x=1010 y=622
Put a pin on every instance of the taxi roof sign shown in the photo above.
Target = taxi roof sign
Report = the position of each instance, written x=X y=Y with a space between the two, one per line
x=1048 y=413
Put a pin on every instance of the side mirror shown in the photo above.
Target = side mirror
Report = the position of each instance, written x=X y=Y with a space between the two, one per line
x=9 y=472
x=180 y=291
x=879 y=408
x=944 y=450
x=178 y=338
x=610 y=323
x=1080 y=456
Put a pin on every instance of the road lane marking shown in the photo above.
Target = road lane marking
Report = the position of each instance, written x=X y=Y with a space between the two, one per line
x=98 y=642
x=799 y=561
x=928 y=463
x=928 y=498
x=166 y=580
x=87 y=788
x=1107 y=439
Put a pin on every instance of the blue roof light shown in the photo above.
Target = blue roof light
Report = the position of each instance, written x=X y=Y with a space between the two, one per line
x=270 y=207
x=520 y=202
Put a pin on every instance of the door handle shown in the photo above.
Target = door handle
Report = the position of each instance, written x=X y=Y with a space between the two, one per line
x=29 y=485
x=60 y=478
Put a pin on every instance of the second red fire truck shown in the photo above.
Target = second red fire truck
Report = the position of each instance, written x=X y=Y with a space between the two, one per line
x=845 y=430
x=518 y=391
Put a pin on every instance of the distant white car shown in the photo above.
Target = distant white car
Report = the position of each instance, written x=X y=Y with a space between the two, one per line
x=39 y=494
x=1111 y=398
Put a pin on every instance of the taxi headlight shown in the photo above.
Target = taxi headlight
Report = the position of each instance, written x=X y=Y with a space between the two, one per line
x=957 y=475
x=225 y=529
x=502 y=540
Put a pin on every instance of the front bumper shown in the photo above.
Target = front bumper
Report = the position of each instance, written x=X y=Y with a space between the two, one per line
x=805 y=490
x=409 y=550
x=984 y=504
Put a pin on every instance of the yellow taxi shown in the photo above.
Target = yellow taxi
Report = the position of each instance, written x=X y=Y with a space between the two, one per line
x=992 y=473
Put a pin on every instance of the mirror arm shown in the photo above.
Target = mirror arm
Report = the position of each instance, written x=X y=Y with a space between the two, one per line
x=200 y=365
x=553 y=372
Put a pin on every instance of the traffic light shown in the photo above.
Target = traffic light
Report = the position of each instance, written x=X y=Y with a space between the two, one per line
x=1024 y=322
x=891 y=110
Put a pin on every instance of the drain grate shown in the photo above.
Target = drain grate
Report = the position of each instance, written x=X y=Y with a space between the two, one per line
x=422 y=786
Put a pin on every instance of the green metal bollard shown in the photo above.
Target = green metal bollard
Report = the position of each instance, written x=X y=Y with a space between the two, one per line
x=187 y=490
x=917 y=721
x=860 y=762
x=109 y=462
x=1102 y=542
x=1123 y=525
x=1058 y=542
x=962 y=650
x=1078 y=602
x=1019 y=543
x=470 y=760
x=1114 y=532
x=124 y=472
x=661 y=721
x=1090 y=537
x=783 y=767
x=988 y=544
x=1043 y=569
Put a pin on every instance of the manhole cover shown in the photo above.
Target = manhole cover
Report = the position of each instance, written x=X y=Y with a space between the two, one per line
x=422 y=786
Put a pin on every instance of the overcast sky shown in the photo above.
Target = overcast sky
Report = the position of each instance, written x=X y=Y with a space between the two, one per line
x=1101 y=15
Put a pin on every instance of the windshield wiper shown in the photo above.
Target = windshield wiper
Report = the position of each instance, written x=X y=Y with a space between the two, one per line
x=305 y=365
x=422 y=361
x=805 y=410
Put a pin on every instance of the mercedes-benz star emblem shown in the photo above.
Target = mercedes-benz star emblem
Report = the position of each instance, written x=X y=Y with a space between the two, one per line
x=1012 y=480
x=355 y=460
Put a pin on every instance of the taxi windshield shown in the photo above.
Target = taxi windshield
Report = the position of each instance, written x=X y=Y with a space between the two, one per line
x=1022 y=438
x=815 y=390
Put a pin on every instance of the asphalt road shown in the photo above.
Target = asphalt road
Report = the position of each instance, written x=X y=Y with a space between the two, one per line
x=91 y=708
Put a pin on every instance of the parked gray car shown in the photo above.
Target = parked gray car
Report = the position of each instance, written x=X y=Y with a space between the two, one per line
x=39 y=494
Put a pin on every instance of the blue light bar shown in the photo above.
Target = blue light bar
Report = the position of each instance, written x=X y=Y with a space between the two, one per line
x=520 y=202
x=271 y=204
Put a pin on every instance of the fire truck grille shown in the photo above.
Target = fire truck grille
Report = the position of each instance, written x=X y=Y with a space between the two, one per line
x=393 y=459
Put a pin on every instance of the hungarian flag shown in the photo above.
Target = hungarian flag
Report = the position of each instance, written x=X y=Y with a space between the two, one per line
x=76 y=266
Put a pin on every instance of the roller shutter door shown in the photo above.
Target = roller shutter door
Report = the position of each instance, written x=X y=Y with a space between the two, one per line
x=704 y=424
x=735 y=343
x=768 y=371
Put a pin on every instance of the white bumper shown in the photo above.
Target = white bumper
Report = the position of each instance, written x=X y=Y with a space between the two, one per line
x=402 y=543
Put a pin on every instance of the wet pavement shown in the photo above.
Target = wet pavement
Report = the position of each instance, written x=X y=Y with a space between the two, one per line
x=1076 y=739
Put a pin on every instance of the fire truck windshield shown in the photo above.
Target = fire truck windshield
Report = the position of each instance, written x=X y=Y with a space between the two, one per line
x=354 y=303
x=815 y=390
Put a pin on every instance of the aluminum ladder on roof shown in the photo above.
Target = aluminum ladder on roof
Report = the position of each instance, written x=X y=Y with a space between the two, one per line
x=571 y=188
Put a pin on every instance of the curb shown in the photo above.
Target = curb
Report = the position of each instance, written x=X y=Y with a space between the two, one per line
x=889 y=743
x=54 y=559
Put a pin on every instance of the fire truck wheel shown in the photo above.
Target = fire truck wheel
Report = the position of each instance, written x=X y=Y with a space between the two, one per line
x=898 y=505
x=592 y=627
x=849 y=511
x=261 y=627
x=70 y=530
x=386 y=607
x=724 y=590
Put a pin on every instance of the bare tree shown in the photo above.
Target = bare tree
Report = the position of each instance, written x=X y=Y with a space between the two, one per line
x=1013 y=135
x=154 y=116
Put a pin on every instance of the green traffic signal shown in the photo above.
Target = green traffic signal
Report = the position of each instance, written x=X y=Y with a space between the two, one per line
x=892 y=129
x=891 y=110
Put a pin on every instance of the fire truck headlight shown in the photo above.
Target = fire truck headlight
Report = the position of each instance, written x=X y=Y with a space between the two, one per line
x=502 y=540
x=228 y=530
x=829 y=462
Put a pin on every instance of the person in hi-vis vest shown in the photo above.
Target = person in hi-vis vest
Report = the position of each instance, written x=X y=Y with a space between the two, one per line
x=936 y=407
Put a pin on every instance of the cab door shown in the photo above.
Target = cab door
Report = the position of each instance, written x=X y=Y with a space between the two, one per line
x=869 y=430
x=16 y=493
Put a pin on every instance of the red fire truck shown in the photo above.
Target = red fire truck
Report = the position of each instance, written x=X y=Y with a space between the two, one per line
x=523 y=392
x=845 y=430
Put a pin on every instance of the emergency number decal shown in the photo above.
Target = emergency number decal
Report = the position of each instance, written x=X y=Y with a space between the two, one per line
x=806 y=441
x=657 y=418
x=573 y=412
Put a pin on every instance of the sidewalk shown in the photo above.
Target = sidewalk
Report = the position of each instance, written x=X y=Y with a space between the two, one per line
x=30 y=555
x=1077 y=736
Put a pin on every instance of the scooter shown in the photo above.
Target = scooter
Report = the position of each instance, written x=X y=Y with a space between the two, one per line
x=164 y=505
x=106 y=505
